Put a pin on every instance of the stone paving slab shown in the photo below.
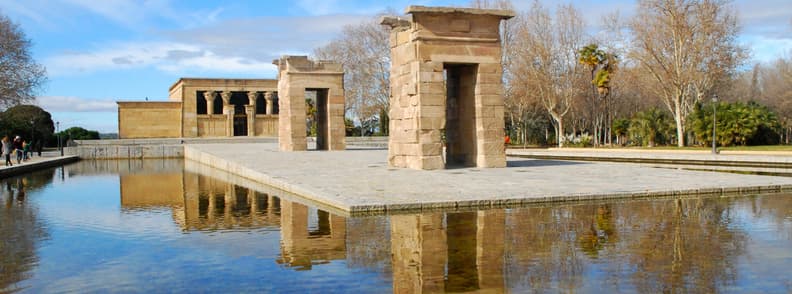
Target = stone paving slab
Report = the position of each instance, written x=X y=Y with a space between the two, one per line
x=360 y=180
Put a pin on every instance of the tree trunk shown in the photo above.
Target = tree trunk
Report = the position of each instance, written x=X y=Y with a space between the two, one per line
x=680 y=126
x=560 y=132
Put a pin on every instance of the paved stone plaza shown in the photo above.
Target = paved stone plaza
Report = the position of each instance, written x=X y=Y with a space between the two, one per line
x=360 y=180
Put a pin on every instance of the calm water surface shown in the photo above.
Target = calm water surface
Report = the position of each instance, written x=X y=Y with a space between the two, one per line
x=152 y=226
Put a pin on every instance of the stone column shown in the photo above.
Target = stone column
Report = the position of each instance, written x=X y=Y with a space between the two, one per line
x=209 y=96
x=250 y=111
x=268 y=98
x=228 y=111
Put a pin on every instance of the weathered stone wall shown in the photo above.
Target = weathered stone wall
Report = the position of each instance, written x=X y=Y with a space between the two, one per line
x=212 y=125
x=295 y=75
x=421 y=50
x=266 y=125
x=149 y=119
x=125 y=151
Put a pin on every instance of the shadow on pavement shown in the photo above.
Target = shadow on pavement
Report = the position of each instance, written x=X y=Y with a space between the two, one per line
x=539 y=162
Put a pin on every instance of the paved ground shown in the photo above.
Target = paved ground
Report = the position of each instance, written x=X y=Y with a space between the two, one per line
x=35 y=163
x=360 y=180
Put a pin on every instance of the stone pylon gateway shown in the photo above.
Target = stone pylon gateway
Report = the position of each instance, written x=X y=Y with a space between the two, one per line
x=446 y=88
x=324 y=81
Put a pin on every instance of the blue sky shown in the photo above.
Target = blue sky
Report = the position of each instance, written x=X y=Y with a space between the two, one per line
x=99 y=52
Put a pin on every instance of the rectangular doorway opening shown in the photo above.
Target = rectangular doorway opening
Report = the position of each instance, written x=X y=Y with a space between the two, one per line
x=460 y=124
x=317 y=116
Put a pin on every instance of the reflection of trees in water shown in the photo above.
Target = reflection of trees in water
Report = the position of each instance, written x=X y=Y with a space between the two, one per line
x=683 y=245
x=368 y=243
x=656 y=246
x=20 y=230
x=541 y=249
x=777 y=208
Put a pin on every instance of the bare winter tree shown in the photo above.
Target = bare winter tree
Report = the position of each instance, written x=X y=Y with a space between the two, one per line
x=776 y=89
x=546 y=59
x=364 y=51
x=20 y=75
x=685 y=47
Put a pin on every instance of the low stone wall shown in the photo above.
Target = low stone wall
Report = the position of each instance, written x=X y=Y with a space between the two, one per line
x=174 y=147
x=125 y=151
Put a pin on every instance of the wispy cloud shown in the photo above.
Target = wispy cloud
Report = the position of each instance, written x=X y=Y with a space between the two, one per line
x=165 y=56
x=240 y=46
x=75 y=104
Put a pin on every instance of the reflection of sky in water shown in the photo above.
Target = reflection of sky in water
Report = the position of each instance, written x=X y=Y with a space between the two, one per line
x=95 y=244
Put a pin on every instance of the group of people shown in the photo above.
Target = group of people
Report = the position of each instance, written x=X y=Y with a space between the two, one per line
x=22 y=148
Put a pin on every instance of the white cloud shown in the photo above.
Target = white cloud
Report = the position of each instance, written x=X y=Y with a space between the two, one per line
x=75 y=104
x=166 y=56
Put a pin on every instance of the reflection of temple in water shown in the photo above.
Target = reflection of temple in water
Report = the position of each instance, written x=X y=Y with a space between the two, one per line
x=448 y=252
x=308 y=236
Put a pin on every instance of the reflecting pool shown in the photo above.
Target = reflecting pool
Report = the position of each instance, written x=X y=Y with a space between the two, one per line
x=142 y=226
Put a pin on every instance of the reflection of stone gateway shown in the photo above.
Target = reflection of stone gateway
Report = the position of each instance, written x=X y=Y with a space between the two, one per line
x=463 y=255
x=446 y=83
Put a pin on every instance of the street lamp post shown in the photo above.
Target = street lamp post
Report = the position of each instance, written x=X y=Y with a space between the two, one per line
x=57 y=126
x=714 y=123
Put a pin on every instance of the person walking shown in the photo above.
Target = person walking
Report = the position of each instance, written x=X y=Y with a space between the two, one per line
x=7 y=149
x=18 y=148
x=25 y=150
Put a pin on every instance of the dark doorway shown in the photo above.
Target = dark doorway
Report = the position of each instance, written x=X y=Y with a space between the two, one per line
x=239 y=100
x=318 y=117
x=460 y=131
x=240 y=125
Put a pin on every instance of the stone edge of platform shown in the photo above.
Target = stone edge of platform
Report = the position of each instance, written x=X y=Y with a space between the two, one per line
x=430 y=206
x=38 y=165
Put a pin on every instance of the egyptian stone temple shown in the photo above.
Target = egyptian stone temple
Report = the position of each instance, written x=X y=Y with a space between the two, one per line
x=248 y=107
x=299 y=77
x=204 y=108
x=446 y=104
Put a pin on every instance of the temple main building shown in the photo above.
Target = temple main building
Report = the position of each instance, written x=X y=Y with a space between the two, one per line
x=204 y=108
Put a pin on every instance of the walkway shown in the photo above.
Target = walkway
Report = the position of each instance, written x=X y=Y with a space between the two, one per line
x=49 y=159
x=770 y=159
x=358 y=181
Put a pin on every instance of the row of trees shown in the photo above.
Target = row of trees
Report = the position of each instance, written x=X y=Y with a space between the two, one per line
x=560 y=82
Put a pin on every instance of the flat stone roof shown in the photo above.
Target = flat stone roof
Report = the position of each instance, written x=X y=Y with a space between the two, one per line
x=502 y=13
x=359 y=181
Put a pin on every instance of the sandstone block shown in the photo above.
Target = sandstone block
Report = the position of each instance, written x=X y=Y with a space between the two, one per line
x=491 y=161
x=431 y=162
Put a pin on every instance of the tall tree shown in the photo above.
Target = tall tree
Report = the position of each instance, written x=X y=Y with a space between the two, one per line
x=29 y=121
x=686 y=47
x=546 y=54
x=20 y=75
x=364 y=51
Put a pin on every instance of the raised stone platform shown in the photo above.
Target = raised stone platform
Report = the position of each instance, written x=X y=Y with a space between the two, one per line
x=359 y=181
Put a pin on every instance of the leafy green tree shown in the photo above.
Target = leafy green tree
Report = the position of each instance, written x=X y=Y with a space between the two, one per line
x=650 y=127
x=28 y=121
x=78 y=133
x=737 y=124
x=621 y=128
